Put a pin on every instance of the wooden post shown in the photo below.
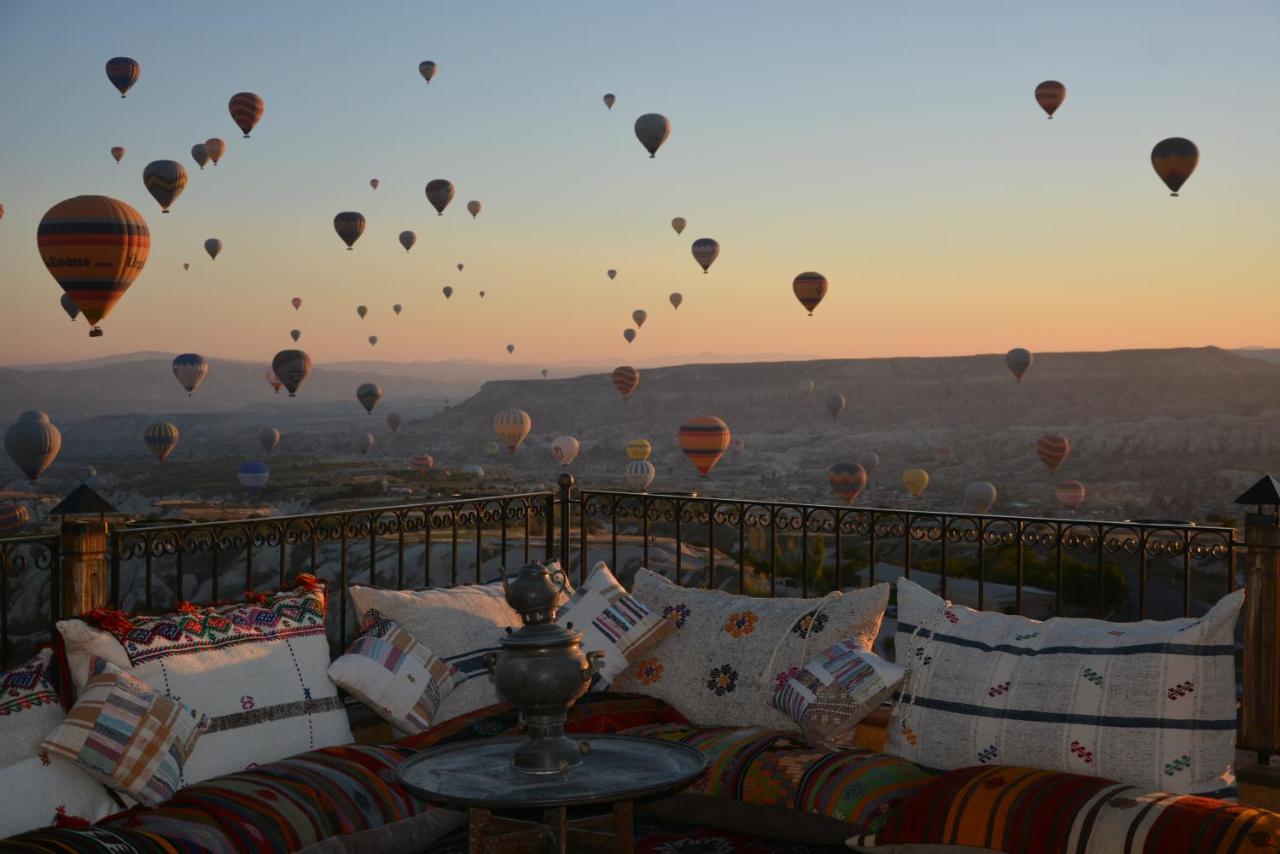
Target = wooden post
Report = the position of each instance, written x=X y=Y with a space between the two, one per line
x=1260 y=707
x=84 y=570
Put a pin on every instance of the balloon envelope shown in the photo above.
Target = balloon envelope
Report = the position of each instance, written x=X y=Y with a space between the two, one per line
x=397 y=308
x=675 y=300
x=847 y=481
x=705 y=251
x=394 y=421
x=123 y=72
x=214 y=147
x=213 y=246
x=422 y=462
x=253 y=475
x=117 y=152
x=69 y=306
x=199 y=154
x=609 y=100
x=296 y=302
x=638 y=475
x=511 y=348
x=295 y=334
x=1018 y=360
x=809 y=288
x=835 y=405
x=407 y=239
x=565 y=449
x=473 y=207
x=1049 y=95
x=652 y=129
x=246 y=110
x=427 y=69
x=1174 y=159
x=274 y=381
x=678 y=224
x=704 y=440
x=291 y=367
x=374 y=182
x=447 y=291
x=33 y=442
x=915 y=481
x=349 y=225
x=979 y=495
x=373 y=340
x=165 y=180
x=1052 y=449
x=190 y=369
x=12 y=517
x=869 y=461
x=362 y=310
x=1070 y=493
x=612 y=274
x=639 y=449
x=629 y=334
x=512 y=426
x=364 y=443
x=439 y=194
x=269 y=438
x=639 y=316
x=161 y=438
x=625 y=380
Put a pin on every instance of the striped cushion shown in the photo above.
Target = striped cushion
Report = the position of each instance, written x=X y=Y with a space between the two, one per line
x=1151 y=704
x=612 y=621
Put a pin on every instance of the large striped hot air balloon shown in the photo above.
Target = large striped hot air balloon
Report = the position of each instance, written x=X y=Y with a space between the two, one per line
x=915 y=481
x=349 y=225
x=161 y=438
x=625 y=380
x=394 y=421
x=269 y=438
x=810 y=288
x=33 y=442
x=94 y=246
x=847 y=481
x=652 y=129
x=422 y=462
x=190 y=369
x=565 y=449
x=979 y=495
x=1070 y=493
x=253 y=475
x=199 y=154
x=512 y=426
x=214 y=146
x=12 y=517
x=246 y=110
x=704 y=440
x=639 y=449
x=439 y=194
x=123 y=72
x=1174 y=159
x=705 y=252
x=291 y=367
x=165 y=180
x=1049 y=95
x=1018 y=361
x=638 y=475
x=369 y=394
x=1052 y=449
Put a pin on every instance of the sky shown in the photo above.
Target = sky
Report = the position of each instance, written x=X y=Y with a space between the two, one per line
x=895 y=148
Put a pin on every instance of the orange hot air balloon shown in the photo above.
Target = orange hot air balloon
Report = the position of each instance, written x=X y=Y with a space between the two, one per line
x=246 y=111
x=512 y=426
x=1070 y=494
x=704 y=440
x=349 y=225
x=274 y=381
x=625 y=380
x=1174 y=159
x=1049 y=95
x=847 y=481
x=94 y=246
x=214 y=147
x=810 y=288
x=1052 y=449
x=915 y=481
x=117 y=152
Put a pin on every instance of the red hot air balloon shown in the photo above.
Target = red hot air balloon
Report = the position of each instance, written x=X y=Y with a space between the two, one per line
x=1049 y=95
x=625 y=380
x=1052 y=449
x=349 y=225
x=123 y=72
x=810 y=288
x=1070 y=494
x=117 y=152
x=704 y=440
x=296 y=302
x=847 y=481
x=246 y=110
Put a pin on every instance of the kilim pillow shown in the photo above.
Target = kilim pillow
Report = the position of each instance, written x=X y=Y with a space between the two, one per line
x=612 y=621
x=393 y=674
x=128 y=735
x=259 y=670
x=729 y=654
x=836 y=690
x=1151 y=704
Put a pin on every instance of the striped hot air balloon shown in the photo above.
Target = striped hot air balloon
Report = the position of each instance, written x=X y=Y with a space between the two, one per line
x=512 y=426
x=1174 y=159
x=246 y=110
x=33 y=443
x=422 y=462
x=638 y=475
x=625 y=380
x=1049 y=95
x=1052 y=449
x=349 y=225
x=190 y=369
x=165 y=180
x=704 y=440
x=1070 y=494
x=810 y=288
x=161 y=438
x=253 y=475
x=915 y=481
x=94 y=246
x=639 y=449
x=123 y=72
x=291 y=367
x=12 y=517
x=847 y=481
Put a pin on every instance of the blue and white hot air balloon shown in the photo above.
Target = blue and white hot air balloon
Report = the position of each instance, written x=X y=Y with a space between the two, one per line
x=253 y=475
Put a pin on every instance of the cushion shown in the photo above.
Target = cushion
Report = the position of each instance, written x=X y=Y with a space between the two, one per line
x=259 y=670
x=612 y=621
x=393 y=674
x=836 y=690
x=729 y=653
x=128 y=735
x=1151 y=704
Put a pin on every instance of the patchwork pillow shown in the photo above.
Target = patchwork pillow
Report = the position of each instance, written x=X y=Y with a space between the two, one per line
x=393 y=674
x=128 y=735
x=259 y=670
x=612 y=621
x=728 y=654
x=836 y=690
x=1151 y=704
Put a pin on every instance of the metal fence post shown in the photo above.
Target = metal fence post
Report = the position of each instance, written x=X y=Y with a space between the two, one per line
x=83 y=570
x=1260 y=705
x=566 y=490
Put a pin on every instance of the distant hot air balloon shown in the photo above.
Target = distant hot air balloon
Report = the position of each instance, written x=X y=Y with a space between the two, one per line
x=869 y=460
x=847 y=481
x=394 y=421
x=407 y=239
x=422 y=462
x=944 y=453
x=69 y=306
x=161 y=438
x=835 y=404
x=253 y=475
x=459 y=266
x=374 y=182
x=915 y=481
x=364 y=444
x=269 y=438
x=511 y=348
x=629 y=334
x=512 y=426
x=1 y=211
x=482 y=295
x=246 y=111
x=490 y=448
x=349 y=225
x=274 y=381
x=675 y=300
x=186 y=266
x=397 y=308
x=639 y=449
x=979 y=495
x=625 y=380
x=291 y=367
x=473 y=207
x=639 y=316
x=199 y=155
x=810 y=288
x=652 y=129
x=362 y=310
x=705 y=251
x=447 y=291
x=737 y=447
x=190 y=369
x=1052 y=449
x=609 y=100
x=213 y=246
x=1174 y=160
x=295 y=334
x=1019 y=361
x=544 y=373
x=678 y=224
x=13 y=516
x=439 y=194
x=296 y=302
x=94 y=246
x=704 y=440
x=117 y=151
x=1049 y=95
x=165 y=180
x=612 y=274
x=565 y=449
x=123 y=72
x=427 y=69
x=214 y=147
x=638 y=475
x=1070 y=494
x=33 y=442
x=373 y=340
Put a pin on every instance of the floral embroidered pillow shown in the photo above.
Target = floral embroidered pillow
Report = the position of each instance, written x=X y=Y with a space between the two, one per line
x=836 y=690
x=393 y=674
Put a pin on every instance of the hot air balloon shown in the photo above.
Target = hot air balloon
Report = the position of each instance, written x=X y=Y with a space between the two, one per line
x=274 y=381
x=397 y=308
x=447 y=291
x=12 y=517
x=296 y=302
x=1052 y=449
x=1049 y=95
x=33 y=442
x=349 y=225
x=1019 y=361
x=1 y=211
x=565 y=449
x=544 y=373
x=123 y=72
x=199 y=155
x=94 y=246
x=473 y=207
x=186 y=266
x=847 y=481
x=915 y=481
x=165 y=180
x=979 y=495
x=639 y=449
x=809 y=288
x=373 y=340
x=625 y=379
x=869 y=461
x=190 y=369
x=364 y=444
x=737 y=447
x=678 y=224
x=214 y=147
x=705 y=251
x=374 y=182
x=407 y=239
x=639 y=316
x=246 y=110
x=482 y=295
x=835 y=404
x=117 y=152
x=213 y=246
x=295 y=334
x=1174 y=160
x=253 y=475
x=704 y=440
x=439 y=194
x=69 y=306
x=1070 y=494
x=944 y=453
x=161 y=438
x=427 y=69
x=609 y=100
x=269 y=438
x=675 y=300
x=612 y=274
x=459 y=266
x=394 y=421
x=422 y=462
x=291 y=367
x=511 y=348
x=362 y=311
x=638 y=475
x=652 y=130
x=629 y=334
x=512 y=426
x=490 y=448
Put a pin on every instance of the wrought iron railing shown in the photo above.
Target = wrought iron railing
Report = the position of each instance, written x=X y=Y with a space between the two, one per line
x=28 y=595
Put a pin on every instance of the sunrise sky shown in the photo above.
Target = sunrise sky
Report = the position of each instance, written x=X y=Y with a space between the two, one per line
x=896 y=148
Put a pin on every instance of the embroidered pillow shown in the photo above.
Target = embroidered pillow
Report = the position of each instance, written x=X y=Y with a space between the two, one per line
x=728 y=654
x=612 y=621
x=393 y=674
x=259 y=670
x=836 y=690
x=1150 y=704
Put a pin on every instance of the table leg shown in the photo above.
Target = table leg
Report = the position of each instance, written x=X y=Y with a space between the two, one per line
x=478 y=830
x=556 y=832
x=624 y=826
